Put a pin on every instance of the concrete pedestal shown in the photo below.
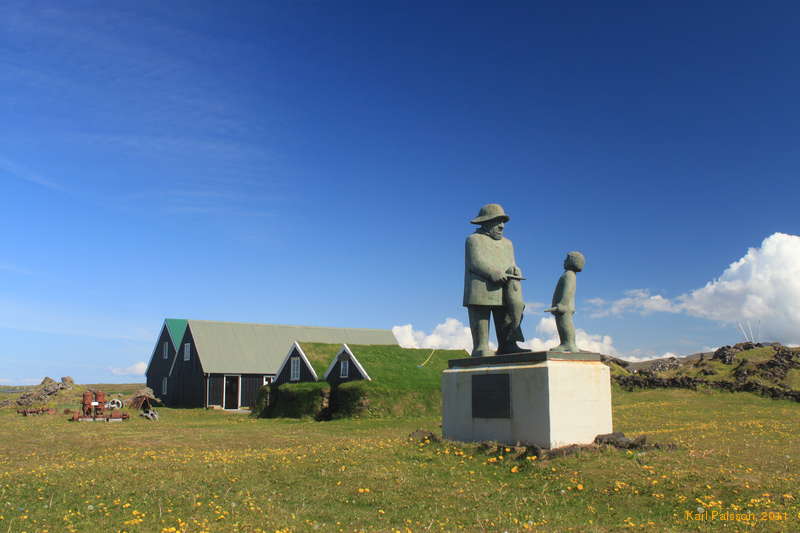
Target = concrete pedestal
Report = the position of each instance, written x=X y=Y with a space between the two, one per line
x=543 y=398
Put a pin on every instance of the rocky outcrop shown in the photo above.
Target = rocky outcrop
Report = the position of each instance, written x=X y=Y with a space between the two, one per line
x=647 y=381
x=727 y=354
x=41 y=393
x=663 y=365
x=776 y=368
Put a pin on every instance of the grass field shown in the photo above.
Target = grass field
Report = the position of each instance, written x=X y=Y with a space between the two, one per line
x=199 y=470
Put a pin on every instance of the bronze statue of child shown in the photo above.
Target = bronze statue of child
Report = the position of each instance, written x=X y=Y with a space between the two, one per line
x=563 y=306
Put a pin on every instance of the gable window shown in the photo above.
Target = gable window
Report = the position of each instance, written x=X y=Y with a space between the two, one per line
x=165 y=349
x=294 y=374
x=187 y=351
x=344 y=368
x=163 y=385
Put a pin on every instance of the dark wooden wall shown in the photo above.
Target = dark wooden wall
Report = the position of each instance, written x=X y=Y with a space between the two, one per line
x=187 y=380
x=250 y=384
x=305 y=372
x=159 y=367
x=353 y=375
x=215 y=388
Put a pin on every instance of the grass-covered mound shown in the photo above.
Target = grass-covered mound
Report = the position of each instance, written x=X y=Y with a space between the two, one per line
x=294 y=400
x=405 y=381
x=320 y=355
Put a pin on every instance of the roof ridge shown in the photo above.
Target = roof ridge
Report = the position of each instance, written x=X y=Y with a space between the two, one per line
x=282 y=325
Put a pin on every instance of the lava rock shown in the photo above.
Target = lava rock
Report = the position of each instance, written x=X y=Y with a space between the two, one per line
x=421 y=435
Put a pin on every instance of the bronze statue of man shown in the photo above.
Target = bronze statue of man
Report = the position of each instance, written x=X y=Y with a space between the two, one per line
x=492 y=284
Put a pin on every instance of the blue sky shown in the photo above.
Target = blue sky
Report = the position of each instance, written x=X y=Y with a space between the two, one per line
x=317 y=163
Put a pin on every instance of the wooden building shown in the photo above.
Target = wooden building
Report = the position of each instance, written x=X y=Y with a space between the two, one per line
x=345 y=367
x=163 y=356
x=225 y=363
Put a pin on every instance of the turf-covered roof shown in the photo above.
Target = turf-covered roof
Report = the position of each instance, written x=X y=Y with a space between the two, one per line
x=389 y=365
x=240 y=348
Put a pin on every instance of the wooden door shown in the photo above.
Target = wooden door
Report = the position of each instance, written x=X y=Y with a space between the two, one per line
x=231 y=392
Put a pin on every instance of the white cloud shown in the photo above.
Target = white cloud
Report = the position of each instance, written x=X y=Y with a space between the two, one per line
x=635 y=300
x=637 y=356
x=136 y=369
x=762 y=289
x=548 y=338
x=449 y=335
x=764 y=286
x=453 y=334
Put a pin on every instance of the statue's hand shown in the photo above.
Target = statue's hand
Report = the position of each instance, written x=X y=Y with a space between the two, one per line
x=499 y=277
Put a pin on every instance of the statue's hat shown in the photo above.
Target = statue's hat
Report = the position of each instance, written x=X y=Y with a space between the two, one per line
x=490 y=212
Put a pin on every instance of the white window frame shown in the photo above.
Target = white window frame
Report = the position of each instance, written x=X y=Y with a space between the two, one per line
x=344 y=368
x=164 y=385
x=294 y=369
x=187 y=351
x=165 y=350
x=268 y=380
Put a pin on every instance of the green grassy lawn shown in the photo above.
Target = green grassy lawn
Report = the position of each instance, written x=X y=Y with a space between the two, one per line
x=198 y=470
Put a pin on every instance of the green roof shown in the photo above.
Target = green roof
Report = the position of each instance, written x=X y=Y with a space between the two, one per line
x=320 y=355
x=176 y=328
x=240 y=348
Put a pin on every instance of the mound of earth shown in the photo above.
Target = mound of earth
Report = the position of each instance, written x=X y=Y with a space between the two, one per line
x=769 y=369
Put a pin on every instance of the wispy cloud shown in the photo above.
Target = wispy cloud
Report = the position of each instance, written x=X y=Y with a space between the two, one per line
x=201 y=199
x=51 y=319
x=15 y=170
x=534 y=308
x=637 y=300
x=20 y=381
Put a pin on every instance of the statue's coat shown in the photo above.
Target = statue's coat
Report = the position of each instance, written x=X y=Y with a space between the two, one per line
x=485 y=257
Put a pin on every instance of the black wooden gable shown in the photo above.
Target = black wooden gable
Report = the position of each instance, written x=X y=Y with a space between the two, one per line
x=345 y=367
x=187 y=383
x=298 y=358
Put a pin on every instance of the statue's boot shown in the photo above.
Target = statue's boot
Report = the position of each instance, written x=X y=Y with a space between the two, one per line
x=512 y=347
x=565 y=348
